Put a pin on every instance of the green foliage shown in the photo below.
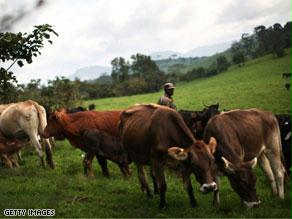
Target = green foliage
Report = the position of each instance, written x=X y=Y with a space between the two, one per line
x=141 y=75
x=222 y=63
x=8 y=89
x=18 y=48
x=23 y=46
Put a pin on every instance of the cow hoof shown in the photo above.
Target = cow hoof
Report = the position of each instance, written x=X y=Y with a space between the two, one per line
x=51 y=165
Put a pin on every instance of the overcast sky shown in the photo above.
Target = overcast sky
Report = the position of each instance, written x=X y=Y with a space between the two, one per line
x=93 y=32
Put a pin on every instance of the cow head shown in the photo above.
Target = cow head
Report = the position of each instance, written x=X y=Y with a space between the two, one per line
x=54 y=127
x=202 y=118
x=200 y=156
x=243 y=180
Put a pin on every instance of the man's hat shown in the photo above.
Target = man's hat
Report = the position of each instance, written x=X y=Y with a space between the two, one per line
x=168 y=86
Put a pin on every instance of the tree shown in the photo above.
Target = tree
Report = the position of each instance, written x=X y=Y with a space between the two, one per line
x=65 y=92
x=143 y=67
x=20 y=47
x=238 y=57
x=120 y=69
x=222 y=63
x=287 y=31
x=277 y=40
x=237 y=52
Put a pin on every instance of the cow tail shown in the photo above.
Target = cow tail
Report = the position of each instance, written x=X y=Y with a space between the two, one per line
x=286 y=177
x=42 y=117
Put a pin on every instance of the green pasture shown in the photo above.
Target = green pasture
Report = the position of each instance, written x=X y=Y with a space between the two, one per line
x=257 y=84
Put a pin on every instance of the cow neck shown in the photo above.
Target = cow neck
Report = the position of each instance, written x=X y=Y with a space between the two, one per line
x=68 y=124
x=186 y=137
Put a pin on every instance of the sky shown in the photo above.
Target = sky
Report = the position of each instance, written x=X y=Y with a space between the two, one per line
x=94 y=32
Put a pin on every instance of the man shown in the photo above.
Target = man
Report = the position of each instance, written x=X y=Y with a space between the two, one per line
x=166 y=99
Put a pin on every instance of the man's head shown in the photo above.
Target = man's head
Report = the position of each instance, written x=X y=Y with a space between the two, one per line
x=169 y=88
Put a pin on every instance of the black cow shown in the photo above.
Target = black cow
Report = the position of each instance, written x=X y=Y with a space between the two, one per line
x=197 y=120
x=286 y=75
x=284 y=121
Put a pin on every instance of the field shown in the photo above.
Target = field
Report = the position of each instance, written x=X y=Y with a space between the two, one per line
x=258 y=84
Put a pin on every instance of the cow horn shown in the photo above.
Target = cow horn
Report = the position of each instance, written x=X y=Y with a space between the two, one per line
x=177 y=153
x=228 y=165
x=252 y=163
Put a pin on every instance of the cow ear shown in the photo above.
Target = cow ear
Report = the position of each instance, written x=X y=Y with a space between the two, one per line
x=177 y=153
x=212 y=145
x=229 y=167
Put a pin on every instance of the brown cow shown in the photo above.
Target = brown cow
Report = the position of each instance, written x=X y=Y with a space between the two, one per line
x=9 y=147
x=243 y=136
x=156 y=135
x=92 y=132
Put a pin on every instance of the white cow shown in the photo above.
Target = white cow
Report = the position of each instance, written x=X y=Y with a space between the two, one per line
x=26 y=120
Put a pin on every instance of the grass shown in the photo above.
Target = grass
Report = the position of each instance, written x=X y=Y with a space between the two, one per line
x=257 y=84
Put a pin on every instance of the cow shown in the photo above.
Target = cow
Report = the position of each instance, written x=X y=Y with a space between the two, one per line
x=26 y=120
x=94 y=132
x=284 y=121
x=8 y=148
x=287 y=86
x=286 y=75
x=156 y=135
x=76 y=109
x=243 y=137
x=197 y=120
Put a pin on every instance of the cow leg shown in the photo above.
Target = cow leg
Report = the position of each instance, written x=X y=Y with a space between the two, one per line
x=216 y=197
x=154 y=181
x=38 y=147
x=189 y=189
x=125 y=169
x=103 y=164
x=14 y=160
x=278 y=171
x=266 y=167
x=87 y=164
x=158 y=171
x=7 y=161
x=48 y=149
x=143 y=180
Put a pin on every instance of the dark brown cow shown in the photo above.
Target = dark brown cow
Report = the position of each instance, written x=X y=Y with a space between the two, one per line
x=9 y=147
x=156 y=135
x=95 y=132
x=243 y=136
x=197 y=120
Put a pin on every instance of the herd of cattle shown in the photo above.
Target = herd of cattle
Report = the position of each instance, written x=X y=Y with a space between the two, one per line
x=208 y=143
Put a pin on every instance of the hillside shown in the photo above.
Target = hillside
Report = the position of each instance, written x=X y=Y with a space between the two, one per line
x=182 y=65
x=257 y=84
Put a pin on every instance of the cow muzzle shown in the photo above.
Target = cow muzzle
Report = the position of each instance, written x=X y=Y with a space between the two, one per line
x=206 y=188
x=252 y=204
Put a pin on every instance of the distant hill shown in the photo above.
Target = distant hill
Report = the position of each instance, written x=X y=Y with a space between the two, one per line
x=199 y=57
x=165 y=55
x=208 y=50
x=90 y=72
x=182 y=65
x=196 y=52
